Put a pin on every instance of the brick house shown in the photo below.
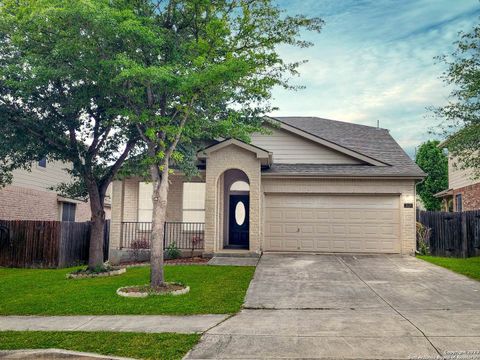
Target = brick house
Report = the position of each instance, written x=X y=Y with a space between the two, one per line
x=310 y=185
x=463 y=193
x=29 y=196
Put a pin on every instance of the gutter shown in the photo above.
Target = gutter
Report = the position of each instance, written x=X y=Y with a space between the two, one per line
x=388 y=177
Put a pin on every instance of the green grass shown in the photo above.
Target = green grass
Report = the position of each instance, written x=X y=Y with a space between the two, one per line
x=213 y=290
x=469 y=267
x=135 y=345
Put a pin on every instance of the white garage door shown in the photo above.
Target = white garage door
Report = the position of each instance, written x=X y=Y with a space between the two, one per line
x=332 y=223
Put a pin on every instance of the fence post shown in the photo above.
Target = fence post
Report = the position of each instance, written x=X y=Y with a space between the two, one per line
x=464 y=235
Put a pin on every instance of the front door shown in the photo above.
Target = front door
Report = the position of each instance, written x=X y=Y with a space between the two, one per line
x=238 y=221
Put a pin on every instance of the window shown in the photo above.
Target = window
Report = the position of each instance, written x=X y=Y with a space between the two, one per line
x=68 y=211
x=42 y=163
x=145 y=203
x=193 y=202
x=458 y=202
x=240 y=186
x=240 y=213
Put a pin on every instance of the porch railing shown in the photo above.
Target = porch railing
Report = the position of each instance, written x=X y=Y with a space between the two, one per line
x=185 y=235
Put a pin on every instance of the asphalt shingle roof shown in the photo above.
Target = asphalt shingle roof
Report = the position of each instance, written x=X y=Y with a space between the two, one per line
x=370 y=141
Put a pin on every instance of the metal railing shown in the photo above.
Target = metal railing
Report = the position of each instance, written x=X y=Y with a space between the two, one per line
x=185 y=235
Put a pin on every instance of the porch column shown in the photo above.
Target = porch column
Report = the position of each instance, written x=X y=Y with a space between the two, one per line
x=117 y=215
x=211 y=195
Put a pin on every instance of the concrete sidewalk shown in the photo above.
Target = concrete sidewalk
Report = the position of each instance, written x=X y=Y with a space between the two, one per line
x=123 y=323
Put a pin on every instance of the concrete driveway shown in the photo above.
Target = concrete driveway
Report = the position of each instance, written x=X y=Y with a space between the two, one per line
x=349 y=307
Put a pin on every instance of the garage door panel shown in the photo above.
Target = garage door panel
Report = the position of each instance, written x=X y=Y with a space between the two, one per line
x=323 y=245
x=307 y=229
x=322 y=214
x=307 y=214
x=352 y=223
x=307 y=244
x=291 y=245
x=275 y=229
x=291 y=214
x=338 y=214
x=355 y=245
x=274 y=215
x=322 y=229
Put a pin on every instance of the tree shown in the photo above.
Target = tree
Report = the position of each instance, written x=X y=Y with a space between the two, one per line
x=211 y=78
x=58 y=59
x=434 y=162
x=462 y=113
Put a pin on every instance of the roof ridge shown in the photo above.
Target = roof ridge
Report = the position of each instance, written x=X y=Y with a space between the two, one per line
x=326 y=119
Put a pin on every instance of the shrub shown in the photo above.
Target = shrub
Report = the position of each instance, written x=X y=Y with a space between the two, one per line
x=423 y=238
x=137 y=246
x=196 y=240
x=172 y=251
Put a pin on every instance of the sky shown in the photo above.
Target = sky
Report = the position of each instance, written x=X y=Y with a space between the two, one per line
x=375 y=60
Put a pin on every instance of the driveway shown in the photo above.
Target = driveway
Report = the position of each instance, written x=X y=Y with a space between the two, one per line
x=349 y=307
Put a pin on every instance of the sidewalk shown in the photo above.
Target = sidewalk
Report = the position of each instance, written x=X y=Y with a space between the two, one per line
x=123 y=323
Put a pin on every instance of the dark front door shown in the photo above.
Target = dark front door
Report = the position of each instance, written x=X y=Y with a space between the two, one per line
x=238 y=221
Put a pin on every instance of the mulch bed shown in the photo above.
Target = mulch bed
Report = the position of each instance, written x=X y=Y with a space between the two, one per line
x=187 y=261
x=181 y=261
x=142 y=291
x=85 y=273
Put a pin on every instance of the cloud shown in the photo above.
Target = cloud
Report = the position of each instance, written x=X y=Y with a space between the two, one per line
x=375 y=61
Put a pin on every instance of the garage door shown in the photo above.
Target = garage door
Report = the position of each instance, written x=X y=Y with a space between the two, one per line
x=332 y=223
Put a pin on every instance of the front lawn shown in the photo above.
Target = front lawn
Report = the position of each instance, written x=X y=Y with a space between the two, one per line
x=469 y=267
x=213 y=290
x=135 y=345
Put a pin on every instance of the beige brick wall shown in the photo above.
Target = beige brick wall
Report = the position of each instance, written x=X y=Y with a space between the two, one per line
x=83 y=212
x=20 y=203
x=175 y=198
x=130 y=199
x=117 y=214
x=230 y=157
x=404 y=188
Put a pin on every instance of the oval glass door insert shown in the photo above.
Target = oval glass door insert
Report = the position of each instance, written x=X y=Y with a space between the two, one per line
x=240 y=213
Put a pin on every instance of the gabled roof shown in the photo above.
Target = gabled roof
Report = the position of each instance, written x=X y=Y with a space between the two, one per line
x=262 y=154
x=373 y=145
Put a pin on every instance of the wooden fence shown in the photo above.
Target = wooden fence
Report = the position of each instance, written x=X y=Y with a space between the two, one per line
x=453 y=234
x=46 y=244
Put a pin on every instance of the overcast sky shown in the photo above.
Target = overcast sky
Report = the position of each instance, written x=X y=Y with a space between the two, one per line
x=374 y=60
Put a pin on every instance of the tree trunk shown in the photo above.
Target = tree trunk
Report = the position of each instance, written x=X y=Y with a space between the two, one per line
x=160 y=194
x=95 y=254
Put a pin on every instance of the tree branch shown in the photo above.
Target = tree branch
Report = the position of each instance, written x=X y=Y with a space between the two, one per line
x=105 y=181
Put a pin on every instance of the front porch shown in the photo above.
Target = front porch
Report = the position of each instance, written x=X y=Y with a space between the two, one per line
x=219 y=211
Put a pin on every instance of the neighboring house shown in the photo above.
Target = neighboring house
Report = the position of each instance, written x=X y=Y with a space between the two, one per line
x=312 y=185
x=463 y=191
x=29 y=196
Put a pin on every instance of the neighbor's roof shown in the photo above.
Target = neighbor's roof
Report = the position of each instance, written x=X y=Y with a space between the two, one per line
x=369 y=141
x=444 y=193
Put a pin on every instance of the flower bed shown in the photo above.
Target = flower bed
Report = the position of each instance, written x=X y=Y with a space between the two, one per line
x=105 y=270
x=141 y=291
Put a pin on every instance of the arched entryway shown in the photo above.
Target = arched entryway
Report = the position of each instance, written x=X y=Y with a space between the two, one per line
x=236 y=222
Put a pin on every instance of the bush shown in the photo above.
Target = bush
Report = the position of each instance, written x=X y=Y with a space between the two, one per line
x=137 y=246
x=423 y=239
x=172 y=251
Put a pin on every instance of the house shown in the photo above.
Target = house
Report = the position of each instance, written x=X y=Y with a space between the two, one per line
x=463 y=193
x=30 y=195
x=310 y=185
